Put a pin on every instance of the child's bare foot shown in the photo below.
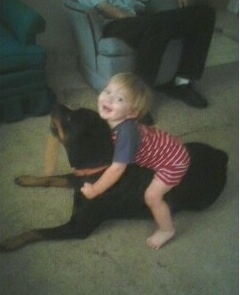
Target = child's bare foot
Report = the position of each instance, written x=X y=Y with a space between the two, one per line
x=159 y=238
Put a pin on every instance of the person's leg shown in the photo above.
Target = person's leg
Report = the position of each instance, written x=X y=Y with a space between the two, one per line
x=197 y=40
x=161 y=213
x=127 y=29
x=148 y=35
x=198 y=34
x=158 y=29
x=151 y=48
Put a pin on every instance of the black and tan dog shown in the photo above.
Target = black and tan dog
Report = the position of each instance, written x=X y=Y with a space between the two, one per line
x=88 y=144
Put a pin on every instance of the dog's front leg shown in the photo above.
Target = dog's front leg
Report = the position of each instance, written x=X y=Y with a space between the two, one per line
x=20 y=241
x=45 y=181
x=70 y=230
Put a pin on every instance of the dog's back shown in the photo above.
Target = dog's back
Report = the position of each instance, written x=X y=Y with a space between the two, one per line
x=204 y=181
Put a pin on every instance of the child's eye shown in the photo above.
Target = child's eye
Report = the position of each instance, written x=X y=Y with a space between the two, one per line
x=120 y=99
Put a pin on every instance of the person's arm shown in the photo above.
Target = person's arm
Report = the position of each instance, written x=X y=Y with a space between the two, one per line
x=111 y=11
x=51 y=153
x=108 y=179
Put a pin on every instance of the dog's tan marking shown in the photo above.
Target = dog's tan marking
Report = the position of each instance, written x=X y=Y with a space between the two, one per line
x=17 y=242
x=34 y=181
x=51 y=154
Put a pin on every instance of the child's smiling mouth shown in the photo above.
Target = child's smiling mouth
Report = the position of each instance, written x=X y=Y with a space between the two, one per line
x=106 y=109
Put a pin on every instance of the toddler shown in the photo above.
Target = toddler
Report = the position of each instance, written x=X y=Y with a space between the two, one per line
x=124 y=100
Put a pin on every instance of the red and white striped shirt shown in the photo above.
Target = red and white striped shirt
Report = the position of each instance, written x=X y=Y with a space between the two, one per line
x=163 y=153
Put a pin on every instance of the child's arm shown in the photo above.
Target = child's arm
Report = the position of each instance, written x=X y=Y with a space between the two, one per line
x=109 y=178
x=51 y=153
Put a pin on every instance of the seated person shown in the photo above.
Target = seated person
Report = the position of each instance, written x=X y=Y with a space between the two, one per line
x=150 y=34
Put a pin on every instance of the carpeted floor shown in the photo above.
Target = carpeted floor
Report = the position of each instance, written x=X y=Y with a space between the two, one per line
x=202 y=259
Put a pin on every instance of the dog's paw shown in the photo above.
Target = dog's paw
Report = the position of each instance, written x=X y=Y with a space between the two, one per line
x=12 y=244
x=20 y=241
x=25 y=180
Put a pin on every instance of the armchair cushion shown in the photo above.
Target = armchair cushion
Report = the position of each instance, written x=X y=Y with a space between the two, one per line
x=22 y=63
x=14 y=56
x=23 y=22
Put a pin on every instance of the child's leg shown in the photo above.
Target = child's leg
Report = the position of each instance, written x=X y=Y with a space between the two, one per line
x=161 y=213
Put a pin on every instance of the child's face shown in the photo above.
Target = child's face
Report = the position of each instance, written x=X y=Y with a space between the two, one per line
x=114 y=104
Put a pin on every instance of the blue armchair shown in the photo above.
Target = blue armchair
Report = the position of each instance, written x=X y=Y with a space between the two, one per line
x=23 y=88
x=100 y=58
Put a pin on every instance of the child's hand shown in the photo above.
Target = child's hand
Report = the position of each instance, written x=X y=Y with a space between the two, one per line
x=88 y=190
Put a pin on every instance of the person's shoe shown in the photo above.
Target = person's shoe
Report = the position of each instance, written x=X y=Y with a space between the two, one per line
x=186 y=94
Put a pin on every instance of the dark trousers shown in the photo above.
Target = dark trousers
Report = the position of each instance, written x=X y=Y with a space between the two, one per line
x=150 y=34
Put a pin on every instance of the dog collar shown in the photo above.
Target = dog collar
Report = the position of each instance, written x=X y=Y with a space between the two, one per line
x=88 y=171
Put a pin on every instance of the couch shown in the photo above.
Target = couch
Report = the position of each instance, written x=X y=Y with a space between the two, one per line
x=23 y=87
x=99 y=58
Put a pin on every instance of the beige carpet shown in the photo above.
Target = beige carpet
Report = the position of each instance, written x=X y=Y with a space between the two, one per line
x=114 y=260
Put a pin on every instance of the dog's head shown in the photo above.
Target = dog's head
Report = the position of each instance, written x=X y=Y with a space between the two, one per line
x=85 y=136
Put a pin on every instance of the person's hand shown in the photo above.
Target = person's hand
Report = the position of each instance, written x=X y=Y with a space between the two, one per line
x=183 y=3
x=88 y=190
x=111 y=11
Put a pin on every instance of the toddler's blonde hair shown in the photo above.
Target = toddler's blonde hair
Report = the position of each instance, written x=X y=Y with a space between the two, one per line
x=140 y=94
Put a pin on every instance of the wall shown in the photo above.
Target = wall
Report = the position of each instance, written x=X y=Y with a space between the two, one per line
x=234 y=6
x=219 y=3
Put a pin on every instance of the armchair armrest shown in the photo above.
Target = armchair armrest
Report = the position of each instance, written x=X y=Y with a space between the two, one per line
x=22 y=20
x=96 y=22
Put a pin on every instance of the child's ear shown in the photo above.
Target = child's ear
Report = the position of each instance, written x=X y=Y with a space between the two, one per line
x=133 y=114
